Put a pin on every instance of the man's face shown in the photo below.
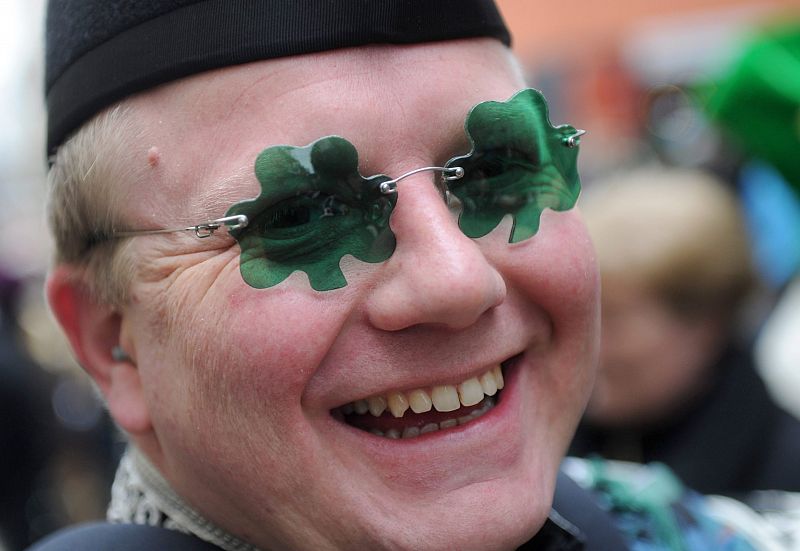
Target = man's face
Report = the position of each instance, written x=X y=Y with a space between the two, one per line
x=246 y=387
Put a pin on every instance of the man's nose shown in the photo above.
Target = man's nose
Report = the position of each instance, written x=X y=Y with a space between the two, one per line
x=437 y=275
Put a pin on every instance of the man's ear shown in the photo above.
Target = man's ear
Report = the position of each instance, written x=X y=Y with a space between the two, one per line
x=94 y=330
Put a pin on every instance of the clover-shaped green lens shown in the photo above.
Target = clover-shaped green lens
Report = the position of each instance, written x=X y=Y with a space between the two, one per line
x=520 y=165
x=313 y=209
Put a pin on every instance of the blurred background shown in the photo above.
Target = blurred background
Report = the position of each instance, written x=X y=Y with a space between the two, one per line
x=658 y=84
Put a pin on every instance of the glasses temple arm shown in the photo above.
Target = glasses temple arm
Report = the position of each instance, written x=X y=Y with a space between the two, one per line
x=202 y=230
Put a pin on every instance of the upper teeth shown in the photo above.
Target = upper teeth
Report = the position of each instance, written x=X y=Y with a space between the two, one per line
x=442 y=398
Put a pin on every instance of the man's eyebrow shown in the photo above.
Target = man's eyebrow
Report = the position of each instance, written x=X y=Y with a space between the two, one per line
x=214 y=201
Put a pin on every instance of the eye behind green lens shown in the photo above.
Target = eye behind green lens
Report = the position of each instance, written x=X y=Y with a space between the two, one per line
x=314 y=208
x=519 y=165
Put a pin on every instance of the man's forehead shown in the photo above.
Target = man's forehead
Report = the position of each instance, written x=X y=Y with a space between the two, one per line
x=209 y=128
x=330 y=79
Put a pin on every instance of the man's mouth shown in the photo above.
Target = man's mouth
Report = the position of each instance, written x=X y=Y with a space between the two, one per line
x=412 y=413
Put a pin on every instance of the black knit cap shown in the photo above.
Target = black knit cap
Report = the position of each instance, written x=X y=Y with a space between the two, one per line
x=100 y=51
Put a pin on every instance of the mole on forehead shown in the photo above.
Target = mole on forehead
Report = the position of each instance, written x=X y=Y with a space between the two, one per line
x=153 y=157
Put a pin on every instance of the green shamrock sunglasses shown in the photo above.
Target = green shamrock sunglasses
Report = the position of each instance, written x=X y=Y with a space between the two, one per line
x=315 y=207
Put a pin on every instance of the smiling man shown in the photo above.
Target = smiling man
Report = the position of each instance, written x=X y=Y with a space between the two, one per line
x=379 y=327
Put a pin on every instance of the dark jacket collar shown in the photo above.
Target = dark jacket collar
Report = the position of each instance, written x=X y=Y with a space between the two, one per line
x=576 y=523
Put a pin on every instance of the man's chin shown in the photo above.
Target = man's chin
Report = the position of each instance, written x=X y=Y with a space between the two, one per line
x=488 y=516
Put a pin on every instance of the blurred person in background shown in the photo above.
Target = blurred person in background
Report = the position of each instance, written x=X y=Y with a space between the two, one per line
x=757 y=107
x=676 y=381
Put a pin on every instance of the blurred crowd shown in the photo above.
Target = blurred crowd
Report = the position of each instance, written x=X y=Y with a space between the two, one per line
x=692 y=196
x=697 y=235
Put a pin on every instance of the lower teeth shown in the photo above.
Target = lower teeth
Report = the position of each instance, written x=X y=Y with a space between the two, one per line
x=412 y=432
